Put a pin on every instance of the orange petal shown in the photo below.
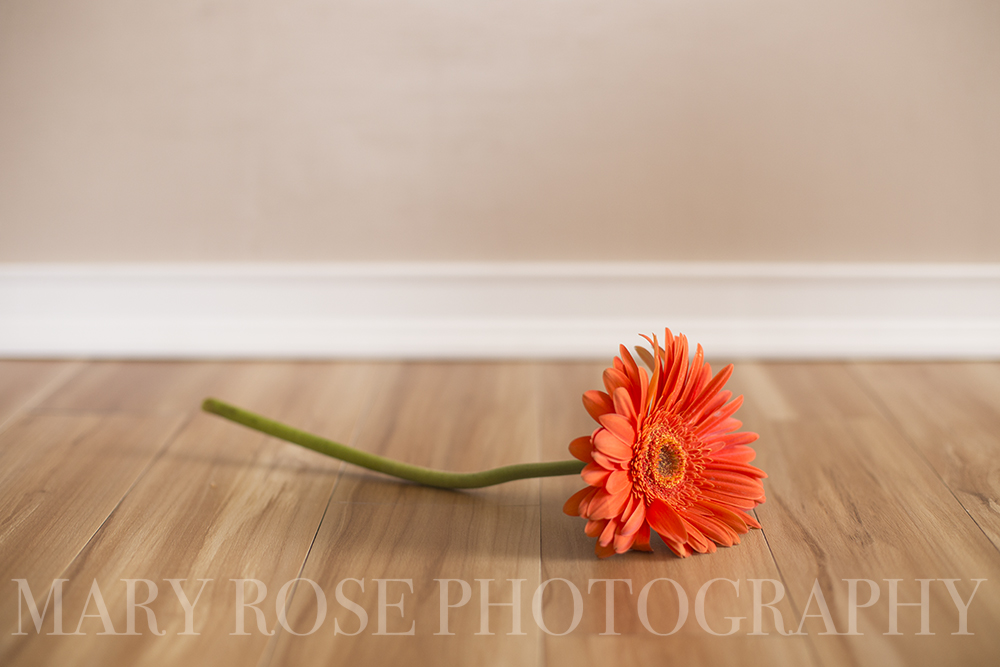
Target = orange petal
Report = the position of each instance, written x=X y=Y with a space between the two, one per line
x=646 y=356
x=740 y=490
x=630 y=367
x=709 y=392
x=620 y=427
x=714 y=530
x=611 y=446
x=734 y=439
x=710 y=419
x=740 y=502
x=737 y=454
x=580 y=449
x=595 y=475
x=727 y=516
x=587 y=501
x=614 y=378
x=597 y=403
x=678 y=373
x=679 y=548
x=617 y=482
x=594 y=528
x=572 y=506
x=623 y=543
x=604 y=552
x=606 y=462
x=635 y=520
x=697 y=540
x=739 y=468
x=721 y=429
x=608 y=534
x=664 y=519
x=606 y=505
x=624 y=405
x=752 y=484
x=642 y=539
x=694 y=380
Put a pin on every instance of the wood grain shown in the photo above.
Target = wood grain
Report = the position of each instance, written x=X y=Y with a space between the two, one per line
x=109 y=471
x=455 y=416
x=60 y=478
x=848 y=498
x=568 y=553
x=950 y=414
x=461 y=417
x=221 y=503
x=25 y=383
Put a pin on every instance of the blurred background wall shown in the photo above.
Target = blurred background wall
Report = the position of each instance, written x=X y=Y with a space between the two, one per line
x=251 y=130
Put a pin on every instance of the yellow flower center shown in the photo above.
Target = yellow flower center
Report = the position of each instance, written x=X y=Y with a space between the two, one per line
x=672 y=460
x=667 y=453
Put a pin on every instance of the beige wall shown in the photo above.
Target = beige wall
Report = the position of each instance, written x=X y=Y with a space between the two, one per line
x=509 y=129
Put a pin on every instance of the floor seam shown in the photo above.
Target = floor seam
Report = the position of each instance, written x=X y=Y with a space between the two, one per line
x=891 y=418
x=267 y=656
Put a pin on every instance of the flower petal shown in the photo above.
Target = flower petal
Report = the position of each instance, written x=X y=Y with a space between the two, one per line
x=737 y=454
x=580 y=448
x=597 y=403
x=624 y=405
x=606 y=505
x=663 y=519
x=608 y=534
x=710 y=420
x=642 y=539
x=697 y=540
x=739 y=502
x=595 y=475
x=594 y=528
x=618 y=482
x=604 y=552
x=623 y=543
x=738 y=468
x=614 y=378
x=709 y=392
x=606 y=462
x=635 y=520
x=714 y=530
x=733 y=439
x=727 y=516
x=611 y=446
x=572 y=506
x=620 y=427
x=646 y=356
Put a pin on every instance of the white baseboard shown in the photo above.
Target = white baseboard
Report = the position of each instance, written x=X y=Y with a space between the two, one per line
x=503 y=310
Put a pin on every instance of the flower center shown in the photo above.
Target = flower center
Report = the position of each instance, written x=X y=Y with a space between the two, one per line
x=671 y=464
x=666 y=453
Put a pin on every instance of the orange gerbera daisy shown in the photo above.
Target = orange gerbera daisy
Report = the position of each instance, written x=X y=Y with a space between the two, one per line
x=665 y=456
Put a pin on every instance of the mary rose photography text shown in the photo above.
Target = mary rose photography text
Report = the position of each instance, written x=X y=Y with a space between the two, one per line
x=450 y=607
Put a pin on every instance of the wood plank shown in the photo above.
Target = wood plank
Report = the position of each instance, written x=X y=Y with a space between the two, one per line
x=569 y=554
x=951 y=414
x=455 y=416
x=459 y=417
x=220 y=503
x=419 y=542
x=141 y=386
x=60 y=477
x=25 y=383
x=865 y=465
x=849 y=499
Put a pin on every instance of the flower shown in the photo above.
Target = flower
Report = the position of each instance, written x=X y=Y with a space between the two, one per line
x=666 y=456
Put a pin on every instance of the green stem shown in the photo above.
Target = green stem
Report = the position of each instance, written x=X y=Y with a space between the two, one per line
x=426 y=476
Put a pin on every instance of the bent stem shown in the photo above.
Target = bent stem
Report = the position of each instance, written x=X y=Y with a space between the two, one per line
x=428 y=477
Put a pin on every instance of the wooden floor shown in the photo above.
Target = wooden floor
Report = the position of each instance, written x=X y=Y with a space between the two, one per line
x=109 y=472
